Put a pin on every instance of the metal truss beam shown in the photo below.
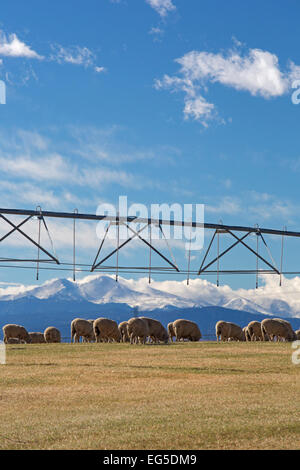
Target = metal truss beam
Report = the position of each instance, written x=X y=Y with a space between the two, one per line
x=95 y=266
x=239 y=233
x=79 y=216
x=135 y=235
x=239 y=240
x=17 y=228
x=201 y=270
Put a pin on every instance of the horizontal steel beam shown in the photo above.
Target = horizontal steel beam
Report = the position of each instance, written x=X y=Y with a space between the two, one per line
x=130 y=219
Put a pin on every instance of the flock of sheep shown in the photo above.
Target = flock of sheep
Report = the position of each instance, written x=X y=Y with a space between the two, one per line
x=137 y=329
x=143 y=329
x=14 y=334
x=270 y=329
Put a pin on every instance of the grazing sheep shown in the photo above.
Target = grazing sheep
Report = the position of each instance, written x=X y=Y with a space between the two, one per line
x=227 y=330
x=15 y=331
x=222 y=330
x=52 y=335
x=106 y=330
x=91 y=338
x=171 y=331
x=37 y=338
x=297 y=333
x=138 y=330
x=236 y=332
x=14 y=341
x=246 y=333
x=157 y=332
x=292 y=334
x=276 y=327
x=81 y=328
x=186 y=329
x=123 y=332
x=254 y=329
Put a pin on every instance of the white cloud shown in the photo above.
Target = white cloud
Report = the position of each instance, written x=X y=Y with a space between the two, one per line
x=199 y=109
x=52 y=167
x=11 y=46
x=156 y=30
x=267 y=206
x=227 y=205
x=257 y=72
x=163 y=7
x=75 y=55
x=56 y=168
x=37 y=170
x=24 y=192
x=100 y=69
x=196 y=105
x=157 y=33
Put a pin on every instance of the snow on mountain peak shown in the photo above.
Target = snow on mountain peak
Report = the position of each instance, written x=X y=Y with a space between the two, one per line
x=103 y=288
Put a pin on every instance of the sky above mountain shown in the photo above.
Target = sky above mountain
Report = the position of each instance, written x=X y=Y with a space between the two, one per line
x=164 y=101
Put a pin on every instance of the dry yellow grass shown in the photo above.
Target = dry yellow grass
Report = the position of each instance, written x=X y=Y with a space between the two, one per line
x=181 y=396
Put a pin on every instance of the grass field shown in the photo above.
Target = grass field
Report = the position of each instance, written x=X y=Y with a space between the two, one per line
x=182 y=396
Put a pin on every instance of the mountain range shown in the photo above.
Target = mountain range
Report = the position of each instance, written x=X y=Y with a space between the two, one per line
x=58 y=301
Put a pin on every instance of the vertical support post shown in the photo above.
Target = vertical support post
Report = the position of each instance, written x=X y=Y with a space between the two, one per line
x=257 y=240
x=189 y=258
x=150 y=252
x=74 y=245
x=218 y=259
x=39 y=241
x=118 y=243
x=281 y=258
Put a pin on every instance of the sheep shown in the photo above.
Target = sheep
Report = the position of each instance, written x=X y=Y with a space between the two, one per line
x=15 y=331
x=106 y=330
x=81 y=327
x=52 y=335
x=292 y=335
x=297 y=333
x=246 y=333
x=275 y=327
x=91 y=337
x=14 y=341
x=228 y=330
x=123 y=332
x=254 y=328
x=236 y=332
x=171 y=331
x=186 y=329
x=137 y=330
x=222 y=330
x=37 y=338
x=157 y=332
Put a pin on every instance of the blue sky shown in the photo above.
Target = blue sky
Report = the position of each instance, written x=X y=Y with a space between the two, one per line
x=161 y=100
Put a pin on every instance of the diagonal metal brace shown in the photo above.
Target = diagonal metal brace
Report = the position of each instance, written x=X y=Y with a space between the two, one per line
x=207 y=251
x=95 y=266
x=100 y=248
x=254 y=252
x=16 y=228
x=201 y=270
x=154 y=249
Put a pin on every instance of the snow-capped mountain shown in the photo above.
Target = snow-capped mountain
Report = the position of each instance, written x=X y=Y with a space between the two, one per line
x=59 y=301
x=103 y=289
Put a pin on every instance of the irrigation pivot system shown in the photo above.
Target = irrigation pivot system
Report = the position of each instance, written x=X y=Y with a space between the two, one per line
x=46 y=257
